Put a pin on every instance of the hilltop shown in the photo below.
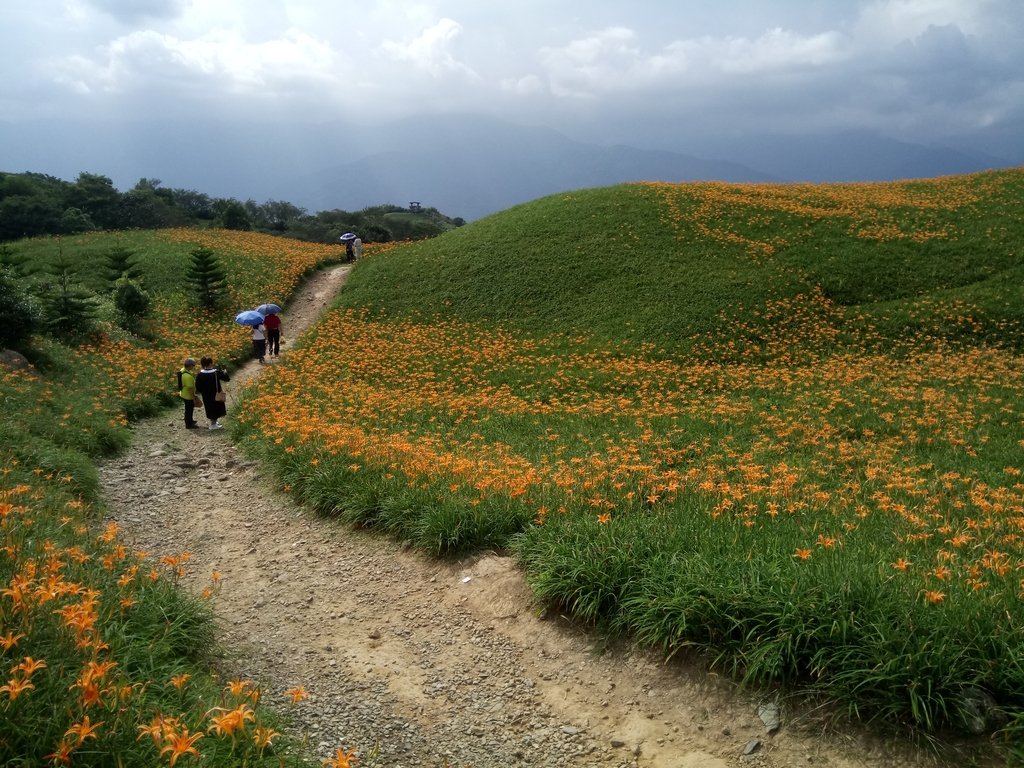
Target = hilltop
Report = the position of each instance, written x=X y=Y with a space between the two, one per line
x=676 y=265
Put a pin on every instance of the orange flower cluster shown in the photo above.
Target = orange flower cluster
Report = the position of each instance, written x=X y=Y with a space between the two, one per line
x=46 y=584
x=817 y=450
x=874 y=211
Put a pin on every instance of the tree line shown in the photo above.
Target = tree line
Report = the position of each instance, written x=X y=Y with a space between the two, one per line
x=33 y=204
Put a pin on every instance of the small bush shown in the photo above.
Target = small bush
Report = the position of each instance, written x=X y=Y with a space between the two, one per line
x=132 y=303
x=19 y=313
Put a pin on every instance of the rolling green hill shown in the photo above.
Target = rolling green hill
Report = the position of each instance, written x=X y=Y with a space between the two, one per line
x=780 y=425
x=671 y=265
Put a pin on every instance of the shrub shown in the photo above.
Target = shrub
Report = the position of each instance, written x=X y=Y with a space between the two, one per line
x=132 y=303
x=19 y=314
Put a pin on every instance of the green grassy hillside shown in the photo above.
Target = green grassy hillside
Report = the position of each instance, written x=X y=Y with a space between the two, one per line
x=669 y=265
x=781 y=425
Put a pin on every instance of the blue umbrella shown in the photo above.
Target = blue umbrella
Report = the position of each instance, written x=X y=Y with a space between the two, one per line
x=249 y=317
x=268 y=309
x=347 y=236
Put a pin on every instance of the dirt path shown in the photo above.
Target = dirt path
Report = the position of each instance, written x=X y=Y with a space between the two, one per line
x=427 y=663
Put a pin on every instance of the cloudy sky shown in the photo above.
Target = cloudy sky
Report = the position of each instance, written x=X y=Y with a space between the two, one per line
x=911 y=69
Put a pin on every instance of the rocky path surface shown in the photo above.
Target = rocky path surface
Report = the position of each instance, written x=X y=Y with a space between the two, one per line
x=417 y=662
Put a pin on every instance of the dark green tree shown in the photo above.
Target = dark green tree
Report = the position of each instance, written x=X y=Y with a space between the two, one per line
x=207 y=278
x=19 y=313
x=12 y=260
x=29 y=215
x=273 y=215
x=97 y=197
x=148 y=206
x=236 y=217
x=69 y=309
x=75 y=220
x=120 y=262
x=375 y=233
x=313 y=230
x=196 y=206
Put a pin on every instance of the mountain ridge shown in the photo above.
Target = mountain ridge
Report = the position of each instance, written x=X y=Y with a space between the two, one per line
x=466 y=165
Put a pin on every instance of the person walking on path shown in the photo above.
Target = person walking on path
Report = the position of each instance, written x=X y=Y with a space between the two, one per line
x=214 y=397
x=187 y=391
x=259 y=342
x=273 y=326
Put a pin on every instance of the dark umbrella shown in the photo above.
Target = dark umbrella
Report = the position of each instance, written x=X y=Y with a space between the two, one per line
x=347 y=236
x=268 y=309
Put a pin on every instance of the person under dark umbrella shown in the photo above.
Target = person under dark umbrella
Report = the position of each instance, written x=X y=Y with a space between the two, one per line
x=349 y=239
x=273 y=326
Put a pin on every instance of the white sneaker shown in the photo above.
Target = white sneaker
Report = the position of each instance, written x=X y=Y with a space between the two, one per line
x=215 y=425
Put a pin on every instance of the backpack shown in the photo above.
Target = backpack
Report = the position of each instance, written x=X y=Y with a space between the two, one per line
x=180 y=385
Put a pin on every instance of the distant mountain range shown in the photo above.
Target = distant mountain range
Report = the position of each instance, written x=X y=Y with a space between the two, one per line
x=465 y=165
x=470 y=168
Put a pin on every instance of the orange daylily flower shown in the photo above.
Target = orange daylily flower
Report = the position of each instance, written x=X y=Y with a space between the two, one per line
x=230 y=720
x=83 y=730
x=181 y=743
x=297 y=694
x=341 y=759
x=262 y=736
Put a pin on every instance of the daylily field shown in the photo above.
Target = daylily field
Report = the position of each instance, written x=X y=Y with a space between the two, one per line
x=101 y=654
x=812 y=493
x=777 y=429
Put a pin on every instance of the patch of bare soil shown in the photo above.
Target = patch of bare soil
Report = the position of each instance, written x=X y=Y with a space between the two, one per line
x=418 y=662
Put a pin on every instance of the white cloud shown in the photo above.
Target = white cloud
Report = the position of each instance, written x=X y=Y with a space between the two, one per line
x=884 y=23
x=605 y=61
x=523 y=86
x=430 y=51
x=612 y=62
x=221 y=61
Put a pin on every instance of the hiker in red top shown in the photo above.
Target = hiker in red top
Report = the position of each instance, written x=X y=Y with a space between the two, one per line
x=273 y=325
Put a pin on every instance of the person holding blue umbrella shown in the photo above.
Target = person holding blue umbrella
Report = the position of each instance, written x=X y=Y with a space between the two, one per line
x=349 y=239
x=259 y=342
x=259 y=332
